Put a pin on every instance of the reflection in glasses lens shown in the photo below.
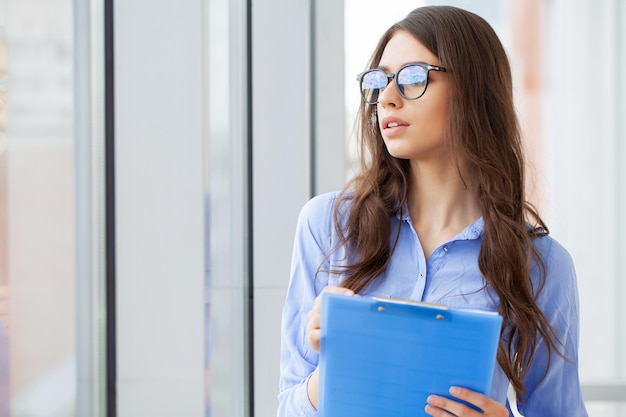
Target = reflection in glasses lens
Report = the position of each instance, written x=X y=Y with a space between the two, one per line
x=411 y=81
x=372 y=83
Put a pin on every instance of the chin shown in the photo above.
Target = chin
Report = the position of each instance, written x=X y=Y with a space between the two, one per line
x=399 y=153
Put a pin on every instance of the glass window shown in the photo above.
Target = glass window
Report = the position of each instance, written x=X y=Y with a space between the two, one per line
x=4 y=253
x=37 y=210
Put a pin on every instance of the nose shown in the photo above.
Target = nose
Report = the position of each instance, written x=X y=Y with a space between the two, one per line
x=390 y=96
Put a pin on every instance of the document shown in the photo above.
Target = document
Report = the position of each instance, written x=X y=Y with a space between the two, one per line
x=383 y=357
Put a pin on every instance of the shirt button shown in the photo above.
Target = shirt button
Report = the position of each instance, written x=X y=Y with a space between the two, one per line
x=445 y=248
x=421 y=275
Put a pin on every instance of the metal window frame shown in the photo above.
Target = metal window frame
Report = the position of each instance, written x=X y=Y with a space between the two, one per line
x=91 y=209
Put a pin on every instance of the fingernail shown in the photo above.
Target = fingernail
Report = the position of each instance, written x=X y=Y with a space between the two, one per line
x=455 y=391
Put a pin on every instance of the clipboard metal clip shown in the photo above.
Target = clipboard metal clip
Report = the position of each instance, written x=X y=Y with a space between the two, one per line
x=381 y=308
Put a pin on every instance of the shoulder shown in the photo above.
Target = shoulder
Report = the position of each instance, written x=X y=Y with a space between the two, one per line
x=315 y=227
x=555 y=255
x=323 y=206
x=316 y=216
x=560 y=284
x=320 y=205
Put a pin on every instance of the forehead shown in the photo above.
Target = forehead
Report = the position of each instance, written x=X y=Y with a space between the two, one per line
x=404 y=48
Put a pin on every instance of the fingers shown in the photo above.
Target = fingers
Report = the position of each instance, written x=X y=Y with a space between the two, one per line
x=441 y=406
x=337 y=290
x=315 y=316
x=313 y=329
x=332 y=290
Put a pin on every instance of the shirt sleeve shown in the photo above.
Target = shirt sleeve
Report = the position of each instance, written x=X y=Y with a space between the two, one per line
x=297 y=360
x=559 y=393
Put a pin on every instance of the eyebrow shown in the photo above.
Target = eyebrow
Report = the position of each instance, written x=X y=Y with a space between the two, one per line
x=385 y=68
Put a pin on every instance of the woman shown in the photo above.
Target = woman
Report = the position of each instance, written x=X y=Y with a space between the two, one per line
x=439 y=214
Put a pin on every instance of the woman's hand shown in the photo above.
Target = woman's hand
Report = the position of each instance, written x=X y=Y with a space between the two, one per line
x=313 y=337
x=441 y=406
x=315 y=315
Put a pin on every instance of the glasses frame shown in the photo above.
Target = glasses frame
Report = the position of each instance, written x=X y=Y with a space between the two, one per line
x=390 y=76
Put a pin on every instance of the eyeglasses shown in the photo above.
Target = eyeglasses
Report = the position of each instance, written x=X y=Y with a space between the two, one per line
x=411 y=81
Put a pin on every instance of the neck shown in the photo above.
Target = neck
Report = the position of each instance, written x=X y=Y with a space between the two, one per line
x=442 y=200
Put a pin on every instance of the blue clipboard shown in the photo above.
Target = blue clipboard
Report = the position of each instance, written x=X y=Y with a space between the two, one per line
x=382 y=357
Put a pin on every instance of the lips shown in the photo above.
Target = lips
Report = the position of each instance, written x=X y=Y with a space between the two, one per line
x=393 y=122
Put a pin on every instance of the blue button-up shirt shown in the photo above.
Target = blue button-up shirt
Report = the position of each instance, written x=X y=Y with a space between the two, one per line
x=450 y=276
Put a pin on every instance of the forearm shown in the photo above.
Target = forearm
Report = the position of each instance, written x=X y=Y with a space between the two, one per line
x=295 y=402
x=313 y=387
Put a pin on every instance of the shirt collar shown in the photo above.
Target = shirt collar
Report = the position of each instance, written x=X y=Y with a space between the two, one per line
x=473 y=231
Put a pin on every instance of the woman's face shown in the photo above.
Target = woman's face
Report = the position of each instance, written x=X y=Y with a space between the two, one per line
x=413 y=129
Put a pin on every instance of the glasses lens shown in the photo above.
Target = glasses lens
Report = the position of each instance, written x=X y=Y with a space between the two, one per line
x=372 y=83
x=412 y=81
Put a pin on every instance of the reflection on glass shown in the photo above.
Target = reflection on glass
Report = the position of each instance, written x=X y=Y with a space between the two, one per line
x=37 y=294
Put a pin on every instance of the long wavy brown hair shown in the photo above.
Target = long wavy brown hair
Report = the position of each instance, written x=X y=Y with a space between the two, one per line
x=483 y=128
